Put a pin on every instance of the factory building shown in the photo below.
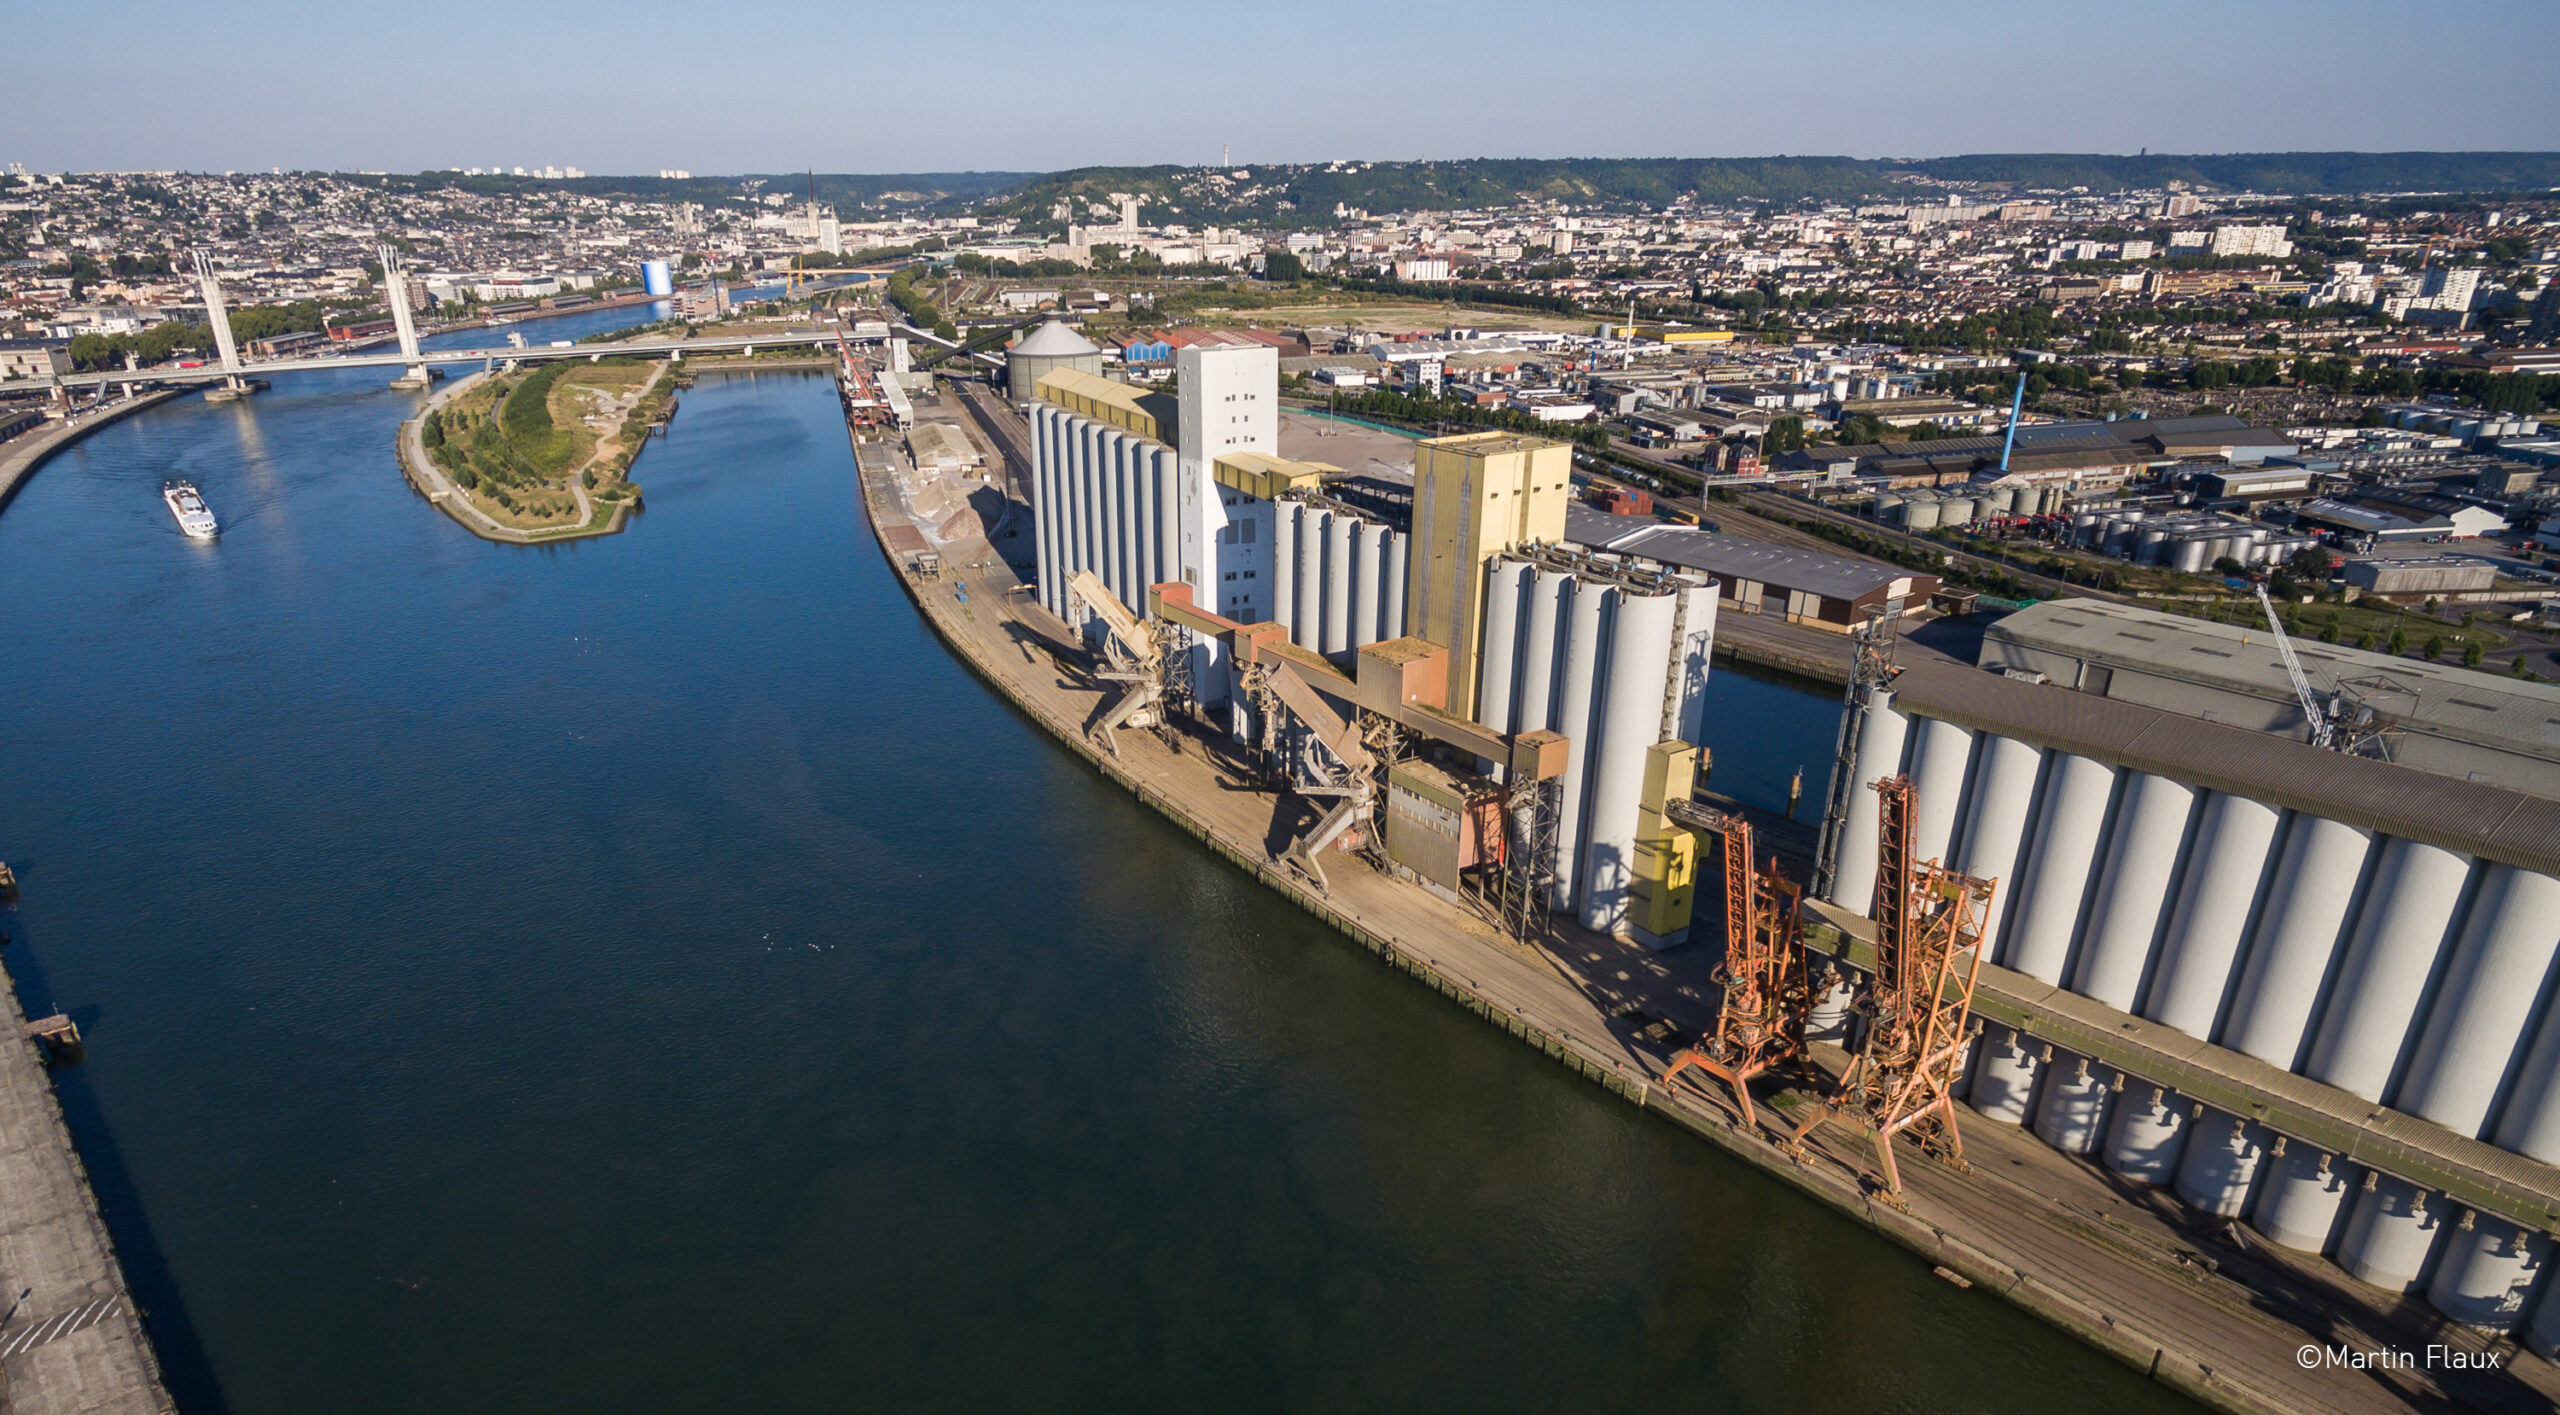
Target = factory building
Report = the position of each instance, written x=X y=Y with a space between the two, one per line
x=2305 y=988
x=2444 y=720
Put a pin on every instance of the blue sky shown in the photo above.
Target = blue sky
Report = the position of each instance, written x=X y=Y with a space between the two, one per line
x=637 y=85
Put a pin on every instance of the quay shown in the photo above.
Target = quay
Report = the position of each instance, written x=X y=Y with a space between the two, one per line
x=20 y=457
x=2191 y=1302
x=72 y=1341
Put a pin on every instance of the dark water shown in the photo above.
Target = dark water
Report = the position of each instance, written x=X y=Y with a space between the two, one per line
x=647 y=974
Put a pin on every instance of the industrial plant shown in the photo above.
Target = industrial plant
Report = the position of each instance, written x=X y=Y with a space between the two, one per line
x=2130 y=882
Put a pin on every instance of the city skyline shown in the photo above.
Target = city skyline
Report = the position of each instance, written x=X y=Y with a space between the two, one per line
x=1036 y=90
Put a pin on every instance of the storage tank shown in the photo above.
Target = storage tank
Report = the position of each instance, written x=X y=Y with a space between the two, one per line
x=1888 y=505
x=1990 y=503
x=2147 y=543
x=2189 y=555
x=656 y=278
x=1920 y=514
x=1050 y=347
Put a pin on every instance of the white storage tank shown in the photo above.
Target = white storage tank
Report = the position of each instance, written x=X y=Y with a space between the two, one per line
x=1920 y=514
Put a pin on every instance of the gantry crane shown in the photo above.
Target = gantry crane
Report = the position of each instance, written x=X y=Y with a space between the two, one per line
x=1767 y=993
x=1130 y=654
x=1917 y=1001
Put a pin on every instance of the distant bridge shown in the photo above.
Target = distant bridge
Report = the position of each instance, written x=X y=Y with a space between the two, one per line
x=393 y=358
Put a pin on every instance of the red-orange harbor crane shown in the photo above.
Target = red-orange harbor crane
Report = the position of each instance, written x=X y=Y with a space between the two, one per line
x=1917 y=1001
x=1767 y=992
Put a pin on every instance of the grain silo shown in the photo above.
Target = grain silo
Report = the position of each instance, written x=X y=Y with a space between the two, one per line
x=1044 y=351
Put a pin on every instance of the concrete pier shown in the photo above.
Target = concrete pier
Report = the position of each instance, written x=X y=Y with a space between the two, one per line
x=75 y=1343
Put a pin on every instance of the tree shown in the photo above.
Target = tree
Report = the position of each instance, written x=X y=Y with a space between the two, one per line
x=2399 y=643
x=1283 y=265
x=2433 y=648
x=1785 y=435
x=2472 y=653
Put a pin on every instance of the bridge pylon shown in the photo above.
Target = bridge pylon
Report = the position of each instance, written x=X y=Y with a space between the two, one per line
x=233 y=385
x=395 y=288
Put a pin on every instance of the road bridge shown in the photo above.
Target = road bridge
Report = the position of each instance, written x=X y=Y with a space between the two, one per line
x=394 y=358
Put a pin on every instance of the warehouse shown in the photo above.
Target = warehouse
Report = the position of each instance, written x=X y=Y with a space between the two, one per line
x=1806 y=587
x=2452 y=721
x=2422 y=577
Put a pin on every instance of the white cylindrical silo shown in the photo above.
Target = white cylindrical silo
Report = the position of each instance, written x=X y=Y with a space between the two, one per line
x=2486 y=1276
x=1142 y=481
x=1337 y=584
x=1880 y=736
x=2221 y=1163
x=1284 y=562
x=1306 y=630
x=1639 y=671
x=2529 y=1122
x=1541 y=653
x=2149 y=1134
x=2133 y=889
x=1920 y=514
x=1577 y=698
x=1941 y=753
x=2004 y=793
x=1078 y=476
x=1391 y=608
x=2481 y=1015
x=2055 y=879
x=1168 y=515
x=2224 y=868
x=1506 y=605
x=1696 y=650
x=2407 y=912
x=1110 y=448
x=2303 y=1199
x=2394 y=1226
x=2005 y=1066
x=2071 y=1115
x=1368 y=565
x=1044 y=509
x=1124 y=477
x=2297 y=934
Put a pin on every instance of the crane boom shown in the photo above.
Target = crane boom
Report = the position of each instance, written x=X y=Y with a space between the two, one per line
x=2311 y=709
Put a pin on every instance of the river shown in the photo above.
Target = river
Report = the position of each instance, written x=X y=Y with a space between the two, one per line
x=649 y=974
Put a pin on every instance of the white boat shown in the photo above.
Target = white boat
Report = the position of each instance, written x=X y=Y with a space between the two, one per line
x=187 y=504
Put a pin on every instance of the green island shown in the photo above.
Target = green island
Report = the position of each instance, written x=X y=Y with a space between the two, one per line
x=550 y=449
